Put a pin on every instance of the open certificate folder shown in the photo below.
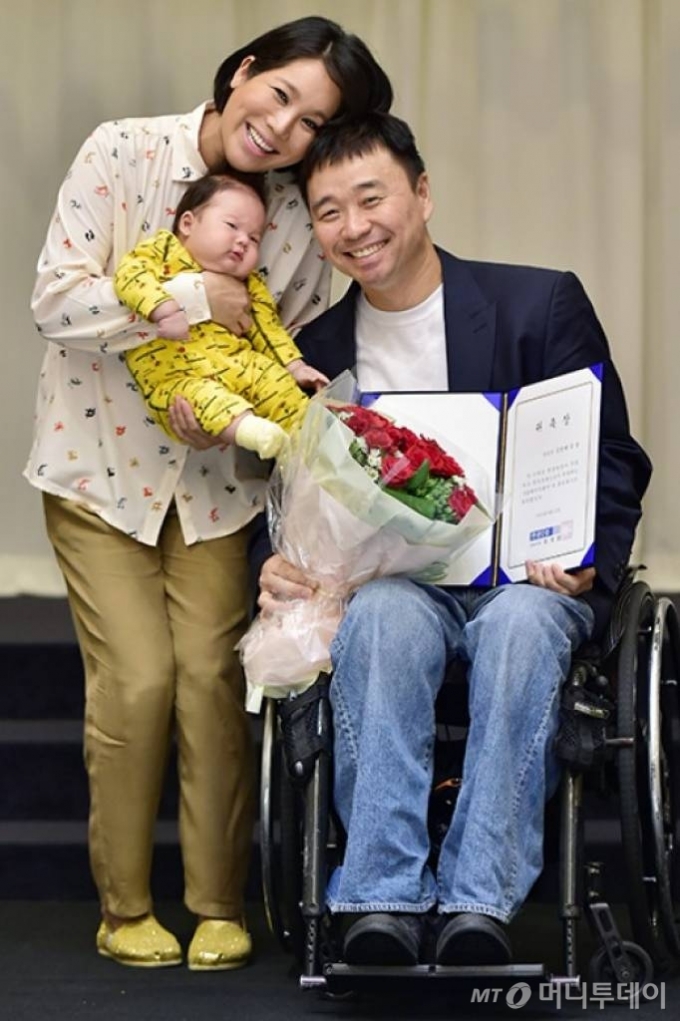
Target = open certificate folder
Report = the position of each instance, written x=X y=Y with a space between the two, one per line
x=540 y=444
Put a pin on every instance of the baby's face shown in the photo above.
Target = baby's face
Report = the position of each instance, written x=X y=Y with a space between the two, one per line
x=224 y=235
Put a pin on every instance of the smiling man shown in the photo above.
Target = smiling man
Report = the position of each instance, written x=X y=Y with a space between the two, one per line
x=418 y=318
x=369 y=215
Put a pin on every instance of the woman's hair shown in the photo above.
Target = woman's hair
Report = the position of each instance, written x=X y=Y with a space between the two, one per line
x=363 y=84
x=200 y=192
x=350 y=139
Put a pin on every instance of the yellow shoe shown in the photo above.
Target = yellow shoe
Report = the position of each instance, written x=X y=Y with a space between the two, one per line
x=142 y=944
x=218 y=945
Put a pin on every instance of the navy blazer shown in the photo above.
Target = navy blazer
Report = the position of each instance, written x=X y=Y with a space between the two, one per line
x=507 y=326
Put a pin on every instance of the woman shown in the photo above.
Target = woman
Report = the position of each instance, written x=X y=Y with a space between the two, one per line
x=150 y=535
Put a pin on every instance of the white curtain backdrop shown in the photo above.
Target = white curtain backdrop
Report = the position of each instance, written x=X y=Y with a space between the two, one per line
x=551 y=130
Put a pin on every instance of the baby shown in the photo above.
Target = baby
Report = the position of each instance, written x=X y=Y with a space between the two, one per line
x=242 y=389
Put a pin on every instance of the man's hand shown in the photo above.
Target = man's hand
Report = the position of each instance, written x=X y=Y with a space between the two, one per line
x=229 y=301
x=306 y=376
x=552 y=576
x=185 y=426
x=280 y=581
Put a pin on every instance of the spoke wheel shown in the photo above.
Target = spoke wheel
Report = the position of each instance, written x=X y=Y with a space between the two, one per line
x=663 y=762
x=633 y=765
x=280 y=842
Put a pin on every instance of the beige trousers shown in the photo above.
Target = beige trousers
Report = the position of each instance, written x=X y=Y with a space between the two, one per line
x=157 y=628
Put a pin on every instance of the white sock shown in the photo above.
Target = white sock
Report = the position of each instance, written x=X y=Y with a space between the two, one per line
x=259 y=434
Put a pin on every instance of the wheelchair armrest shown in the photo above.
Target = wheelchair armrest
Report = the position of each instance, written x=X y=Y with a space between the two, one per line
x=619 y=614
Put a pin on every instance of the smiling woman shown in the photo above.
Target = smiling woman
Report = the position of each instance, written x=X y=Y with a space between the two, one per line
x=271 y=118
x=150 y=536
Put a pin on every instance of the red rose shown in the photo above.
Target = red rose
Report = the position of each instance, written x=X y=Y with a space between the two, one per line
x=416 y=453
x=396 y=471
x=441 y=463
x=461 y=500
x=357 y=423
x=376 y=437
x=361 y=420
x=396 y=435
x=447 y=466
x=404 y=437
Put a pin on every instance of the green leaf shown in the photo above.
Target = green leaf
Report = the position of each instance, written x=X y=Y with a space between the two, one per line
x=417 y=503
x=419 y=478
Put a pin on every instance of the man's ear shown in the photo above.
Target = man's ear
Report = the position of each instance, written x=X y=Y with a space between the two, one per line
x=425 y=195
x=242 y=72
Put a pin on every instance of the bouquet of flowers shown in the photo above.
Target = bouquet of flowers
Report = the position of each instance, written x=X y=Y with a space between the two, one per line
x=411 y=468
x=354 y=497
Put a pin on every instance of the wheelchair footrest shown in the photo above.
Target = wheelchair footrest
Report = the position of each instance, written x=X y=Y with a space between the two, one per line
x=489 y=980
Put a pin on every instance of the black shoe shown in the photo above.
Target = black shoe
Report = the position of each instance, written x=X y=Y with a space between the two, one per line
x=471 y=939
x=384 y=939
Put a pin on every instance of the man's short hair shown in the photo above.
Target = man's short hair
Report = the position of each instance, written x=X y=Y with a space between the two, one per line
x=349 y=139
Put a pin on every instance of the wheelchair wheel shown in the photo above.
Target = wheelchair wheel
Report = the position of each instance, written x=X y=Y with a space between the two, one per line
x=647 y=716
x=280 y=841
x=600 y=967
x=664 y=765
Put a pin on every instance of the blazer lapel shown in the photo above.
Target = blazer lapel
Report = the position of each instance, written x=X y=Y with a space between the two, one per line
x=344 y=341
x=470 y=322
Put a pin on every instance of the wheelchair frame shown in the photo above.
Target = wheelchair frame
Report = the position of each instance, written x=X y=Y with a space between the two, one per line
x=639 y=660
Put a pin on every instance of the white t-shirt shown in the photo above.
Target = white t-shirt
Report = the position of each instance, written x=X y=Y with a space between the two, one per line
x=402 y=350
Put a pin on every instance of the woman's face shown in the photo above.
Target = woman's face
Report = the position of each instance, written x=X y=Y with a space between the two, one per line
x=271 y=118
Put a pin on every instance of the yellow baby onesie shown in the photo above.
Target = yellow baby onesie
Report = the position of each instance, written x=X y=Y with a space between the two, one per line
x=220 y=374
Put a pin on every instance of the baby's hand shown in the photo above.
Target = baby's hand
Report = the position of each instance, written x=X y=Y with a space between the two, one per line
x=305 y=376
x=171 y=320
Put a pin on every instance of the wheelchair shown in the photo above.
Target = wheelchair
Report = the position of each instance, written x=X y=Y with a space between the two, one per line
x=619 y=740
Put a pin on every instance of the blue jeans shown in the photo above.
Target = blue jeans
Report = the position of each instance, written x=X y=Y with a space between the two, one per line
x=389 y=659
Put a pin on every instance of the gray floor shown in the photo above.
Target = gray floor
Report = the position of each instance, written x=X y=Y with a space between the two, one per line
x=49 y=970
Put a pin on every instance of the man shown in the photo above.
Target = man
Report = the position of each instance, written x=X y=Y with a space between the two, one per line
x=418 y=318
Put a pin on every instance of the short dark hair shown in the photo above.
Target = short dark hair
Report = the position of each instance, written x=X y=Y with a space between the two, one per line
x=350 y=64
x=200 y=192
x=348 y=139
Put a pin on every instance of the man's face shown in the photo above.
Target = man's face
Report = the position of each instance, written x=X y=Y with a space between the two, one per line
x=372 y=224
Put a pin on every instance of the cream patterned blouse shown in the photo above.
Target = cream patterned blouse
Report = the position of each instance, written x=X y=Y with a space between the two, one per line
x=93 y=440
